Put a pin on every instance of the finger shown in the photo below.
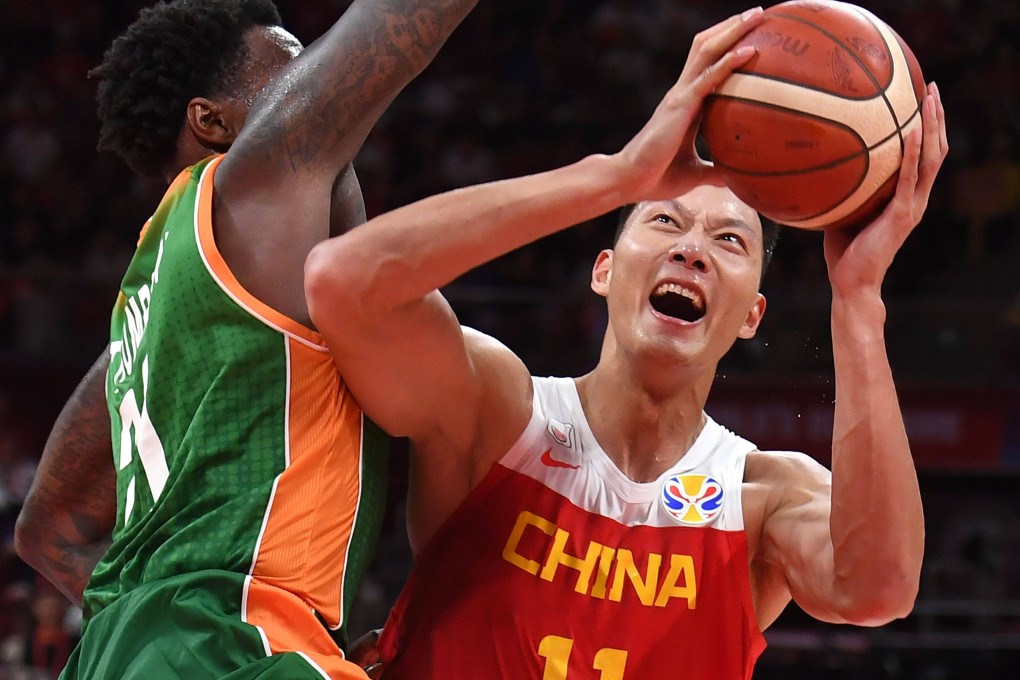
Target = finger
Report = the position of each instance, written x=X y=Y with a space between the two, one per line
x=712 y=43
x=931 y=125
x=892 y=227
x=906 y=186
x=943 y=135
x=903 y=197
x=713 y=76
x=911 y=160
x=364 y=650
x=708 y=174
x=931 y=151
x=688 y=97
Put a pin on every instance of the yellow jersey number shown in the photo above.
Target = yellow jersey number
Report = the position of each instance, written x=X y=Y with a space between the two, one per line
x=556 y=651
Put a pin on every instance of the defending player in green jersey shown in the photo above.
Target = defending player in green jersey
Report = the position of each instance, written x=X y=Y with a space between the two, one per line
x=245 y=470
x=239 y=500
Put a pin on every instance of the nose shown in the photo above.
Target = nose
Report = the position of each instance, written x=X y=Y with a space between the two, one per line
x=688 y=251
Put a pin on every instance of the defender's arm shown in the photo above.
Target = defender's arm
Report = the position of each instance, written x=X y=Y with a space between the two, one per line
x=69 y=515
x=288 y=182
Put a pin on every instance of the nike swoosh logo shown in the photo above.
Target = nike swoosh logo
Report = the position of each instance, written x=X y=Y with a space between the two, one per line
x=549 y=461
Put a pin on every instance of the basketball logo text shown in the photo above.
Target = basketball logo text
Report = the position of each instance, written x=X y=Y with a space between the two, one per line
x=786 y=43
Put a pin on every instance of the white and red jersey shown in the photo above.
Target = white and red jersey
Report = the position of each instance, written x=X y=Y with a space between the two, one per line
x=557 y=566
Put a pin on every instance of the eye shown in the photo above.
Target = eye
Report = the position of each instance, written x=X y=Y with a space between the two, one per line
x=733 y=238
x=663 y=218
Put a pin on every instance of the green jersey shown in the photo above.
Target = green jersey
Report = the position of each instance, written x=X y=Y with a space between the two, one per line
x=237 y=445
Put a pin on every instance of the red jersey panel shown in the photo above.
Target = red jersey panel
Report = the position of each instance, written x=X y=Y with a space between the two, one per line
x=559 y=567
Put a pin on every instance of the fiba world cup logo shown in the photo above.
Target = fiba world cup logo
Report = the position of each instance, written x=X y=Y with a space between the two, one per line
x=694 y=500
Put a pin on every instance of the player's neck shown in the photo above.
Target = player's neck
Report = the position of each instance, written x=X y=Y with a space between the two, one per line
x=644 y=431
x=187 y=152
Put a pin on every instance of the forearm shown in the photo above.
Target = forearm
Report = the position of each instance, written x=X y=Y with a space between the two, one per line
x=66 y=522
x=58 y=558
x=321 y=109
x=399 y=257
x=877 y=523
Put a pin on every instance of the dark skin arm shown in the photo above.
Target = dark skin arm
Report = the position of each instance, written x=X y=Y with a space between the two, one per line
x=287 y=182
x=69 y=514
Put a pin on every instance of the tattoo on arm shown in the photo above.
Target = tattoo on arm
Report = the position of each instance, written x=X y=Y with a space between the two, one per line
x=326 y=106
x=68 y=517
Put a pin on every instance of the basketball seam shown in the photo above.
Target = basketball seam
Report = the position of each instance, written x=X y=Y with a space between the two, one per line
x=885 y=97
x=865 y=150
x=833 y=205
x=803 y=86
x=888 y=48
x=803 y=114
x=887 y=94
x=864 y=67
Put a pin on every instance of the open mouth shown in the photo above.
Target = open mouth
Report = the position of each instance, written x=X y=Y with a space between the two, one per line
x=678 y=302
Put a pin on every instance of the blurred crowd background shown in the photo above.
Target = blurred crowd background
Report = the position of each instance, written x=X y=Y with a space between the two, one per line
x=523 y=86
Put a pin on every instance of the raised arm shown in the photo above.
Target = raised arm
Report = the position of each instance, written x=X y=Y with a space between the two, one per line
x=858 y=560
x=288 y=176
x=374 y=294
x=313 y=118
x=69 y=515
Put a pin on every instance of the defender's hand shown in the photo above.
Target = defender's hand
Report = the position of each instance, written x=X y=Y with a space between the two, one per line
x=365 y=652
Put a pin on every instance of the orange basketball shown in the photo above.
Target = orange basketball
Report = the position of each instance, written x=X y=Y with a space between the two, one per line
x=810 y=132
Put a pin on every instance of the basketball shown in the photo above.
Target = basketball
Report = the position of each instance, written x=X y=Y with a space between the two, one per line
x=810 y=132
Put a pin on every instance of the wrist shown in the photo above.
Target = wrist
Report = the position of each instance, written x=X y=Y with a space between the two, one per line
x=617 y=175
x=860 y=314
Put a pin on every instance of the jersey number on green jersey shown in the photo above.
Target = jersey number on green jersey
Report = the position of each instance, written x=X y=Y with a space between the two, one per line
x=138 y=433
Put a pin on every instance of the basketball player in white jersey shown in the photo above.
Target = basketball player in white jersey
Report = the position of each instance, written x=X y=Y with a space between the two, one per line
x=605 y=526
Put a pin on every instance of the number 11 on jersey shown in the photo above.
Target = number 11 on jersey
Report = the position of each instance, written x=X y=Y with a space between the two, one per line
x=556 y=652
x=138 y=433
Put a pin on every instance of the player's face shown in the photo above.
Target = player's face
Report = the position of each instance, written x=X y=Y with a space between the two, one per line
x=683 y=278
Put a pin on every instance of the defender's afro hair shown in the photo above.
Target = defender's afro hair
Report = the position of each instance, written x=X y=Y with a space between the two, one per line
x=173 y=52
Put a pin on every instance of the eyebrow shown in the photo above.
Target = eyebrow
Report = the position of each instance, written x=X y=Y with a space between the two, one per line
x=717 y=223
x=684 y=211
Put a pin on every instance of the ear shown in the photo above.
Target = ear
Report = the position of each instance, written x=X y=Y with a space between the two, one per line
x=753 y=319
x=602 y=272
x=214 y=124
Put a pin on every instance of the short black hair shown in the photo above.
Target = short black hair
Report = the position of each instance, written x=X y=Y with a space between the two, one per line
x=769 y=234
x=173 y=52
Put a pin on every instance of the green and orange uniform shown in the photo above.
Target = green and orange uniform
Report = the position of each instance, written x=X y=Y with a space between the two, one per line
x=250 y=486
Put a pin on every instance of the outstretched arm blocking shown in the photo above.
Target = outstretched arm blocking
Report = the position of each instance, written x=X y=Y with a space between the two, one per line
x=288 y=182
x=316 y=114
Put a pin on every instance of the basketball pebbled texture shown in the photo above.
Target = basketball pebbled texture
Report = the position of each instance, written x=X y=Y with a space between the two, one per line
x=810 y=132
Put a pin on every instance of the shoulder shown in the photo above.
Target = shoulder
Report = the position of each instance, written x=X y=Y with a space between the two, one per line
x=782 y=467
x=494 y=360
x=784 y=479
x=500 y=400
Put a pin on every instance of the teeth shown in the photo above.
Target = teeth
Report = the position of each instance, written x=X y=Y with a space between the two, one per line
x=678 y=289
